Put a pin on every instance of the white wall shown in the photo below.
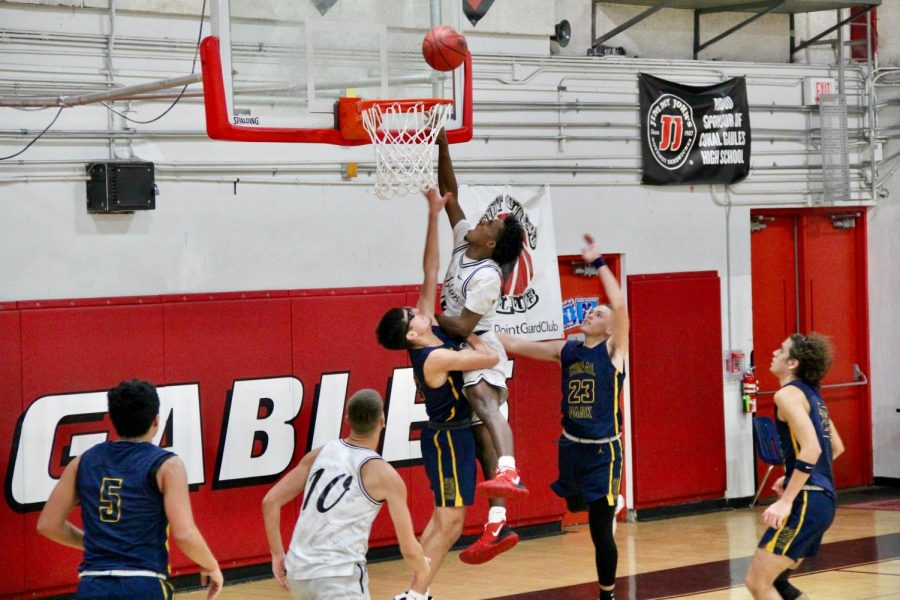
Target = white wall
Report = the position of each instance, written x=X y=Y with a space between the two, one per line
x=294 y=223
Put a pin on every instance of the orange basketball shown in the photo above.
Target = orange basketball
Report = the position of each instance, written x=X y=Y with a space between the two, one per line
x=444 y=48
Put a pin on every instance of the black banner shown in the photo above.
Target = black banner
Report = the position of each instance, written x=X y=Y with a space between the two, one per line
x=693 y=134
x=475 y=9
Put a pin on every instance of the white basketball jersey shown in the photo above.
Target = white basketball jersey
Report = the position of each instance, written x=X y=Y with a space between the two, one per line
x=472 y=284
x=332 y=533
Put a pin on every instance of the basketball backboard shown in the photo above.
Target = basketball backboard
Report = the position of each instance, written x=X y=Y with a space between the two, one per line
x=274 y=70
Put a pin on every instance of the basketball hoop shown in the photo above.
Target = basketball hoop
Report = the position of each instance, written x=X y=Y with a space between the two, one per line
x=404 y=134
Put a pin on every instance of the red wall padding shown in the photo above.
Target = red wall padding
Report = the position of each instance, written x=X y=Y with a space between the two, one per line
x=678 y=428
x=12 y=525
x=214 y=340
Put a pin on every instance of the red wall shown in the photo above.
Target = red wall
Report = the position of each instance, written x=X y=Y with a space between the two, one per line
x=214 y=340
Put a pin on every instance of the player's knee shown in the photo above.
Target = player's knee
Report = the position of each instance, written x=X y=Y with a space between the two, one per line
x=754 y=582
x=784 y=587
x=450 y=521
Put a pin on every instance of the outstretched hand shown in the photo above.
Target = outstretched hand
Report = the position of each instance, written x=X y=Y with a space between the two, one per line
x=436 y=202
x=590 y=252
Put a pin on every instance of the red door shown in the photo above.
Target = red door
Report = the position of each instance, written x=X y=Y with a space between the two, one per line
x=677 y=418
x=809 y=274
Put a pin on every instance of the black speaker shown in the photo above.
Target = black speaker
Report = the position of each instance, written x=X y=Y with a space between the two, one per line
x=120 y=187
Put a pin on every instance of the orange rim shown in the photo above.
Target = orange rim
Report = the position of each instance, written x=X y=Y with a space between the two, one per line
x=404 y=103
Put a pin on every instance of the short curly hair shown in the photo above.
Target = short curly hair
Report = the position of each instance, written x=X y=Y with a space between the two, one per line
x=509 y=244
x=813 y=352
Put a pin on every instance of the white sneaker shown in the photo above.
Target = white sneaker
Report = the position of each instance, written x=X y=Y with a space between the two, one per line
x=620 y=505
x=409 y=595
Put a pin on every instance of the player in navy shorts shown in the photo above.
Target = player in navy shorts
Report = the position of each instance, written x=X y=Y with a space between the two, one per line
x=130 y=491
x=448 y=445
x=590 y=448
x=810 y=443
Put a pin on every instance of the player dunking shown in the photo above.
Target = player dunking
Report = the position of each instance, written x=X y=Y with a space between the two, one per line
x=590 y=448
x=810 y=442
x=344 y=485
x=448 y=445
x=130 y=491
x=469 y=298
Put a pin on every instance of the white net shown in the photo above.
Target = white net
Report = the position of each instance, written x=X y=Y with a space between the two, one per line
x=404 y=134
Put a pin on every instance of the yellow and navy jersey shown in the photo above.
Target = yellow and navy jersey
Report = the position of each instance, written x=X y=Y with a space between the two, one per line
x=444 y=404
x=822 y=474
x=591 y=388
x=122 y=508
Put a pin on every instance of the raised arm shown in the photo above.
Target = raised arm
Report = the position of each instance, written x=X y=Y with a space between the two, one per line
x=447 y=180
x=549 y=350
x=171 y=478
x=290 y=486
x=618 y=341
x=53 y=522
x=431 y=254
x=384 y=483
x=792 y=408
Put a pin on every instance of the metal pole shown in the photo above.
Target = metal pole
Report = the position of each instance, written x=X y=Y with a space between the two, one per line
x=871 y=98
x=840 y=53
x=110 y=117
x=116 y=94
x=437 y=87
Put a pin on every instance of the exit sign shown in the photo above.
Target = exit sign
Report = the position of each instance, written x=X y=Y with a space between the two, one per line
x=815 y=87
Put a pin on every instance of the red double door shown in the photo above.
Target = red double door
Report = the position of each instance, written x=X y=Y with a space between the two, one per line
x=809 y=274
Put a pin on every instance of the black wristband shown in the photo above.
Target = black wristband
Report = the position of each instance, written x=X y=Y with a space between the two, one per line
x=599 y=262
x=804 y=467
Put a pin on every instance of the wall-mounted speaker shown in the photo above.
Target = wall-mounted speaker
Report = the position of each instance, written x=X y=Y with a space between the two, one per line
x=120 y=187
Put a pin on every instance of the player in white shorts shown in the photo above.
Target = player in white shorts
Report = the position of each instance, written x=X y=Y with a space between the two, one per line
x=345 y=483
x=469 y=297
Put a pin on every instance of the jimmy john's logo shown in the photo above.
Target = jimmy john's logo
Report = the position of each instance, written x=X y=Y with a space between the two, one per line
x=671 y=131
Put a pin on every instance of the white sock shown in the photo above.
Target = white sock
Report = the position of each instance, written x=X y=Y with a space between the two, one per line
x=412 y=595
x=506 y=462
x=497 y=514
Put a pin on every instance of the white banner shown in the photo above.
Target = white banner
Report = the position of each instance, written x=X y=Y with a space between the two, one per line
x=531 y=304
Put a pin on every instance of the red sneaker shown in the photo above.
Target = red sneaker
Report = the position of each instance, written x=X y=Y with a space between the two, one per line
x=496 y=539
x=505 y=484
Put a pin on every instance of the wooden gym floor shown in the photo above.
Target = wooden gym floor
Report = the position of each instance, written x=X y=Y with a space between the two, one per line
x=698 y=557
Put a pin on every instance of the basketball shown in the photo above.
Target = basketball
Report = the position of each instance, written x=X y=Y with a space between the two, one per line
x=444 y=48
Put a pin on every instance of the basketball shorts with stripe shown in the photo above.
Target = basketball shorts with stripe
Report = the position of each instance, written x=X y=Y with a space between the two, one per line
x=801 y=535
x=346 y=587
x=495 y=376
x=588 y=472
x=449 y=457
x=115 y=588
